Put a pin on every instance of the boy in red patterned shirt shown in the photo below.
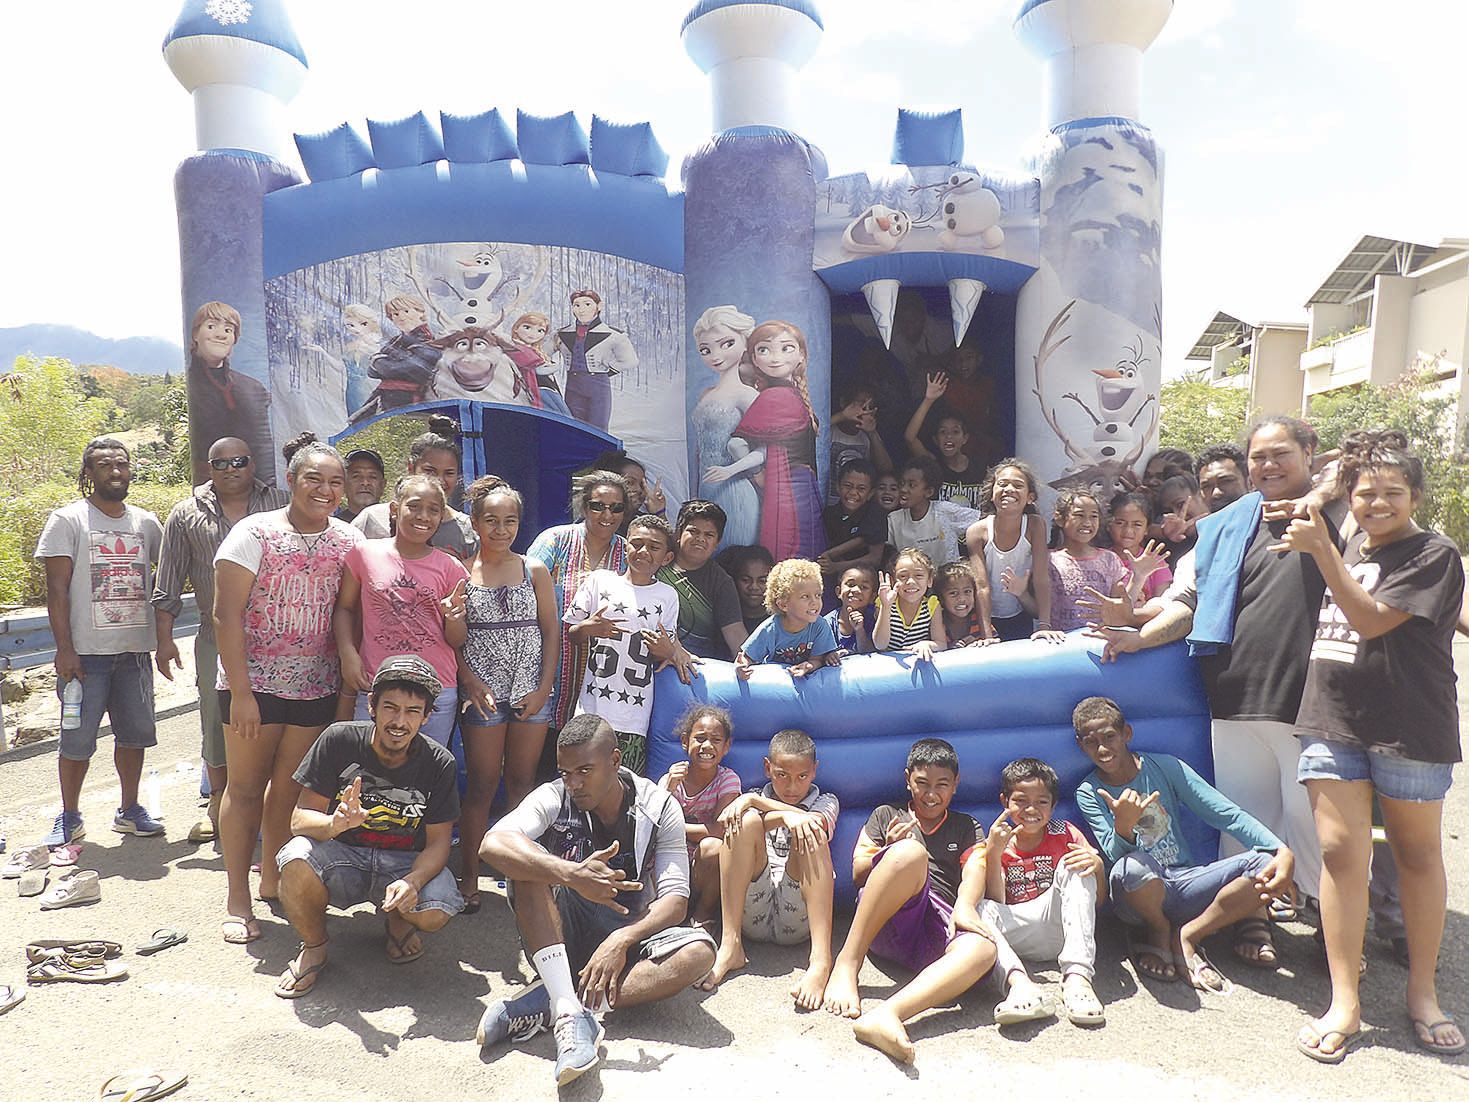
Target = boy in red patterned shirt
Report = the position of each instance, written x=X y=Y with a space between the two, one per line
x=1041 y=888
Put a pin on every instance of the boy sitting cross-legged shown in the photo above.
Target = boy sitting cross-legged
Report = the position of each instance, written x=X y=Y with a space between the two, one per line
x=920 y=869
x=1042 y=880
x=1132 y=802
x=775 y=872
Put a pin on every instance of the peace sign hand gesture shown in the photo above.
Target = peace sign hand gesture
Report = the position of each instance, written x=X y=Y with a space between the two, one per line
x=887 y=593
x=454 y=605
x=349 y=814
x=1127 y=809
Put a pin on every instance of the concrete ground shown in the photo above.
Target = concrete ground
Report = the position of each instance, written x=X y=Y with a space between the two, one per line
x=371 y=1028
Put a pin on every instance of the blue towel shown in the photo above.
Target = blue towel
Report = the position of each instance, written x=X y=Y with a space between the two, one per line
x=1224 y=537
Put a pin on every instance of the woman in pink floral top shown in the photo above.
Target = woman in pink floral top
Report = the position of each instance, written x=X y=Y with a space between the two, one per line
x=276 y=581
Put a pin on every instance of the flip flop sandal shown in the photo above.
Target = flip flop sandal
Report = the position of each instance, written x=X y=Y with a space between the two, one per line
x=1031 y=1008
x=1255 y=933
x=1349 y=1041
x=1429 y=1045
x=1141 y=953
x=311 y=972
x=91 y=947
x=75 y=969
x=236 y=922
x=471 y=904
x=162 y=939
x=400 y=944
x=10 y=997
x=1282 y=909
x=139 y=1086
x=1195 y=974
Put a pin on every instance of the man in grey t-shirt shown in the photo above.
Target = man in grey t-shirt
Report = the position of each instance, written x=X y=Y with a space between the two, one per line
x=99 y=554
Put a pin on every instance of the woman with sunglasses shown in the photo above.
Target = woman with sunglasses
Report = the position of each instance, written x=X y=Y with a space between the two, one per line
x=571 y=552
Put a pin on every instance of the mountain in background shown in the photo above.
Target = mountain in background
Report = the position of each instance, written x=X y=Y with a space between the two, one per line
x=135 y=355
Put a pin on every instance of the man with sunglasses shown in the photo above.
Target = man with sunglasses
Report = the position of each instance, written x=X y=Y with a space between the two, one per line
x=192 y=534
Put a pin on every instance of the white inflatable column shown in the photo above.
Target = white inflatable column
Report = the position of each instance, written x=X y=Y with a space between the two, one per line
x=1089 y=322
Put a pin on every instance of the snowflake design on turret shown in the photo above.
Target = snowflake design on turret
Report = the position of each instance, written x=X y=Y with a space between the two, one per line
x=226 y=12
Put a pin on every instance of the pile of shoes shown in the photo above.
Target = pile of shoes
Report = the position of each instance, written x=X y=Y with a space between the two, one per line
x=31 y=868
x=88 y=961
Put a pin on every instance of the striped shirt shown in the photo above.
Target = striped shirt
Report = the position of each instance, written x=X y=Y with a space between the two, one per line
x=192 y=534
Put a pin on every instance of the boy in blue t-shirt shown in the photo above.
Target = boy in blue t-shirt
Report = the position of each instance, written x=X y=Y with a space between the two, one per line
x=795 y=634
x=1132 y=803
x=852 y=620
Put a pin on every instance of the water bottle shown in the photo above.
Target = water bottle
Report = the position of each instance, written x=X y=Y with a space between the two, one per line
x=71 y=705
x=153 y=794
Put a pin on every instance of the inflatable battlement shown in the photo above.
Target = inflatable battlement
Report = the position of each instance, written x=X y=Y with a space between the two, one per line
x=475 y=177
x=994 y=704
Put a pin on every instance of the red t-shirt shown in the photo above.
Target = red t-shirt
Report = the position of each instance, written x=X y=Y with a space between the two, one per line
x=400 y=605
x=1029 y=873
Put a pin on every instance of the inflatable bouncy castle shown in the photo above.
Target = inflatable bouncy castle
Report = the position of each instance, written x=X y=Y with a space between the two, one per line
x=547 y=269
x=542 y=282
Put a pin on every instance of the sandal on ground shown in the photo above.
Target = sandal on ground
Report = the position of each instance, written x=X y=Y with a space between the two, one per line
x=1083 y=1008
x=294 y=984
x=1200 y=971
x=1254 y=943
x=1162 y=970
x=89 y=947
x=142 y=1085
x=1282 y=908
x=400 y=945
x=471 y=904
x=1017 y=1008
x=240 y=931
x=1426 y=1032
x=10 y=997
x=70 y=967
x=1311 y=1038
x=162 y=939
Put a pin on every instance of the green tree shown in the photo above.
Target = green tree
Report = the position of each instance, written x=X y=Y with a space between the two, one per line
x=45 y=420
x=1196 y=414
x=1415 y=405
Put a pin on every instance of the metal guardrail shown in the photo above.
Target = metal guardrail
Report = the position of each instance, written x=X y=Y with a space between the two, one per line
x=27 y=642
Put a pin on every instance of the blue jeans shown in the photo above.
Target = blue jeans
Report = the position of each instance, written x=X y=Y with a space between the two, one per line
x=1393 y=777
x=119 y=686
x=361 y=874
x=1187 y=889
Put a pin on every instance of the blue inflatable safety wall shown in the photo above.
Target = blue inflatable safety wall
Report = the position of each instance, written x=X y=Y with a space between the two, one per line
x=994 y=704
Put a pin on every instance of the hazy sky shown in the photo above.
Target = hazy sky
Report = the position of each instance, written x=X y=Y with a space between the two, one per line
x=1291 y=127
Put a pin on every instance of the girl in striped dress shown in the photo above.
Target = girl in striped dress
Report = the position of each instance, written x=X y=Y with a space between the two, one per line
x=908 y=615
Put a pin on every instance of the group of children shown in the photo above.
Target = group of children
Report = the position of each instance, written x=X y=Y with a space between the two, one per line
x=952 y=901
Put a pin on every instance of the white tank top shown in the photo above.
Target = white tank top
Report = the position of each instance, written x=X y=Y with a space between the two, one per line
x=1003 y=603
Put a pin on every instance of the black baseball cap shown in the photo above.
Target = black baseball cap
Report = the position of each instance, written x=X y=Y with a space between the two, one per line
x=409 y=668
x=367 y=454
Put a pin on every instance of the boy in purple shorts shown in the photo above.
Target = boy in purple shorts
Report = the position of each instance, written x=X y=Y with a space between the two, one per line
x=921 y=871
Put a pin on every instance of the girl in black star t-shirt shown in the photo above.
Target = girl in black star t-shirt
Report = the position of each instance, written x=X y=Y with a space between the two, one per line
x=1379 y=715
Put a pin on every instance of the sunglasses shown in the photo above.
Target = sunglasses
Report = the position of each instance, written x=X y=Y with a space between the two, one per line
x=238 y=462
x=603 y=507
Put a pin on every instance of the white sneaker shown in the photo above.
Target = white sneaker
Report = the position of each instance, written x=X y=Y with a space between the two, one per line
x=78 y=886
x=22 y=861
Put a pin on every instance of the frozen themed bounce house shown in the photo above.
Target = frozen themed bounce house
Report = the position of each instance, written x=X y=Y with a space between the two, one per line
x=542 y=283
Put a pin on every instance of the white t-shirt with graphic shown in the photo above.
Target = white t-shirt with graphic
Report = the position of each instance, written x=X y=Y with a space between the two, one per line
x=112 y=560
x=618 y=685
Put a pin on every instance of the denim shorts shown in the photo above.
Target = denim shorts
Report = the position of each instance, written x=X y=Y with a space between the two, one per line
x=586 y=925
x=119 y=686
x=473 y=717
x=438 y=725
x=1187 y=889
x=1396 y=778
x=360 y=874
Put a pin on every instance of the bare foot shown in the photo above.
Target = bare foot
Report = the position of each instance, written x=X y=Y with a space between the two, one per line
x=880 y=1028
x=730 y=958
x=809 y=990
x=842 y=997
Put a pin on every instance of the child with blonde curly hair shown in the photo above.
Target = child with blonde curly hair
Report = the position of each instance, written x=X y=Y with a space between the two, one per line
x=795 y=634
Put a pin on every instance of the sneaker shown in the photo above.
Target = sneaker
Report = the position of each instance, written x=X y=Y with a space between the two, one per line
x=136 y=820
x=515 y=1020
x=577 y=1038
x=23 y=861
x=67 y=828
